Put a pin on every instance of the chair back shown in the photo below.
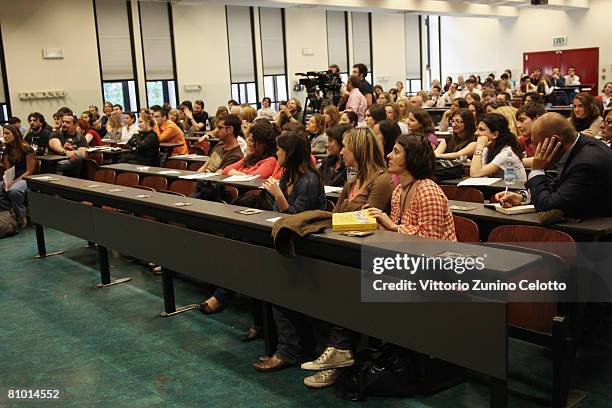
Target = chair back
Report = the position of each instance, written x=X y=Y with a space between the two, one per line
x=171 y=192
x=127 y=179
x=232 y=194
x=204 y=145
x=463 y=194
x=533 y=316
x=185 y=187
x=466 y=230
x=196 y=150
x=98 y=157
x=195 y=166
x=175 y=164
x=143 y=188
x=90 y=167
x=330 y=205
x=105 y=176
x=157 y=183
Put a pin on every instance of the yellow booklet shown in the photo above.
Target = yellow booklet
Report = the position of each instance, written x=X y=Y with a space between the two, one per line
x=353 y=221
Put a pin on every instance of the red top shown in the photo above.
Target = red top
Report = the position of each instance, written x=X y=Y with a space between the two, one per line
x=527 y=145
x=96 y=140
x=263 y=168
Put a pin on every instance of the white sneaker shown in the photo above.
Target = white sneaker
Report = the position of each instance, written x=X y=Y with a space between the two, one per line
x=331 y=358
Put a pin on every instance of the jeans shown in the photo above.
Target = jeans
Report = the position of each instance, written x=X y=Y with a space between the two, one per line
x=341 y=338
x=15 y=197
x=287 y=322
x=70 y=168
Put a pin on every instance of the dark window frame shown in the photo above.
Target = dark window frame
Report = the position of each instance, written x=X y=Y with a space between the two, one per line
x=232 y=83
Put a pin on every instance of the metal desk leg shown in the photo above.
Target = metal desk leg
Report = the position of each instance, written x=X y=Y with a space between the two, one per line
x=40 y=242
x=499 y=393
x=269 y=329
x=170 y=308
x=105 y=270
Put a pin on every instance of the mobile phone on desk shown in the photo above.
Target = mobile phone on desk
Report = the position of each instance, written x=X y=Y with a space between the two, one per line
x=489 y=206
x=358 y=234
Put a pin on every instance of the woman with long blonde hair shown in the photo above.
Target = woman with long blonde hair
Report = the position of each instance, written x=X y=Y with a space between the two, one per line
x=372 y=184
x=113 y=127
x=331 y=114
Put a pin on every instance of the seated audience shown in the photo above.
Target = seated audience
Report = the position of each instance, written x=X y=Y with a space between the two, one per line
x=496 y=147
x=403 y=106
x=92 y=137
x=585 y=115
x=291 y=112
x=68 y=142
x=383 y=98
x=107 y=111
x=130 y=127
x=420 y=122
x=372 y=185
x=435 y=99
x=39 y=132
x=509 y=112
x=418 y=205
x=606 y=98
x=571 y=78
x=392 y=113
x=606 y=127
x=525 y=86
x=316 y=136
x=570 y=172
x=462 y=142
x=375 y=114
x=174 y=116
x=491 y=106
x=198 y=118
x=167 y=131
x=448 y=84
x=221 y=111
x=266 y=110
x=525 y=116
x=416 y=102
x=260 y=159
x=143 y=146
x=446 y=117
x=333 y=170
x=478 y=109
x=350 y=118
x=533 y=97
x=228 y=150
x=113 y=127
x=470 y=87
x=19 y=155
x=451 y=94
x=387 y=132
x=331 y=117
x=300 y=187
x=472 y=97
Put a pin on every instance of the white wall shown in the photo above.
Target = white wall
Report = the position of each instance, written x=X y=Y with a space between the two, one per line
x=305 y=29
x=202 y=57
x=32 y=25
x=389 y=50
x=469 y=45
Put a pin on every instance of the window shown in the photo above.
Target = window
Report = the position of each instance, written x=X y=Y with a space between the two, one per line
x=116 y=52
x=412 y=36
x=362 y=41
x=158 y=52
x=241 y=42
x=272 y=29
x=337 y=41
x=432 y=49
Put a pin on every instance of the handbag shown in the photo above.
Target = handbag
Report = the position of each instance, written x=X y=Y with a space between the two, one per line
x=8 y=224
x=447 y=169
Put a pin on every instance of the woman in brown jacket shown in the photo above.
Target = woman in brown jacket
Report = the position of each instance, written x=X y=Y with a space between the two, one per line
x=372 y=185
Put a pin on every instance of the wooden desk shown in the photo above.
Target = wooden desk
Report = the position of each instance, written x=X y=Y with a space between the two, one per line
x=489 y=190
x=190 y=158
x=322 y=281
x=169 y=147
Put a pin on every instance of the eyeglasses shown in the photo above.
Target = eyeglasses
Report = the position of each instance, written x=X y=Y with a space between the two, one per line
x=222 y=127
x=608 y=122
x=456 y=121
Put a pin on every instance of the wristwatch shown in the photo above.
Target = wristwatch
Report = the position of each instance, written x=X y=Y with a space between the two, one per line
x=523 y=193
x=478 y=153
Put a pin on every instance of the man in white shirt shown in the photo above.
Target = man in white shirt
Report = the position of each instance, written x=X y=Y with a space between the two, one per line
x=571 y=78
x=435 y=99
x=470 y=87
x=451 y=94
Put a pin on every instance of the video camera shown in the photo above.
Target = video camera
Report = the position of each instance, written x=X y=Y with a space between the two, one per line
x=328 y=83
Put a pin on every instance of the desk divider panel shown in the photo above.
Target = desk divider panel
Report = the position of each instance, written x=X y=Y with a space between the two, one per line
x=472 y=335
x=68 y=216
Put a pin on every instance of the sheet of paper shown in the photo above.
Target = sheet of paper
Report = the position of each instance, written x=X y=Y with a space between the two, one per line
x=274 y=219
x=143 y=168
x=9 y=176
x=240 y=178
x=169 y=172
x=479 y=181
x=43 y=178
x=198 y=176
x=332 y=189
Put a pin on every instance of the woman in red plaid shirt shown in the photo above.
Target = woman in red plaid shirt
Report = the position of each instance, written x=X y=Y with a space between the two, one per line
x=418 y=205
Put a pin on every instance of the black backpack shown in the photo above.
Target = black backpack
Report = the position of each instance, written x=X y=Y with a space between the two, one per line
x=447 y=170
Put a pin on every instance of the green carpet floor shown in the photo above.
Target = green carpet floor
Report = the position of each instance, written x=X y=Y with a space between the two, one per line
x=109 y=347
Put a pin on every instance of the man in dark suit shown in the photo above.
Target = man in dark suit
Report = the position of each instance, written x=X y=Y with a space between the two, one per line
x=558 y=81
x=569 y=172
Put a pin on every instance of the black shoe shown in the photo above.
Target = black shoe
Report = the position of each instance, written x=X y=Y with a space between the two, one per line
x=251 y=334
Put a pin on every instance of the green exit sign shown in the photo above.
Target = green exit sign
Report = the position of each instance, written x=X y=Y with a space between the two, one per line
x=560 y=41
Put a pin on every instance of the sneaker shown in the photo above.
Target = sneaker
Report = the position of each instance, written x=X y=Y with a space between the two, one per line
x=331 y=358
x=157 y=270
x=322 y=379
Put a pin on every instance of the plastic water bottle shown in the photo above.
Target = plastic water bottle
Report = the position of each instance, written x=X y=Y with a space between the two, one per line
x=509 y=172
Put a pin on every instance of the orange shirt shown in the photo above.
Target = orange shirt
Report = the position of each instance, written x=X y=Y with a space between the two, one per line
x=170 y=133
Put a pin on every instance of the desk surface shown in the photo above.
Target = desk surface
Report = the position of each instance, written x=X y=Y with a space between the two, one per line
x=167 y=145
x=591 y=226
x=190 y=158
x=497 y=186
x=52 y=158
